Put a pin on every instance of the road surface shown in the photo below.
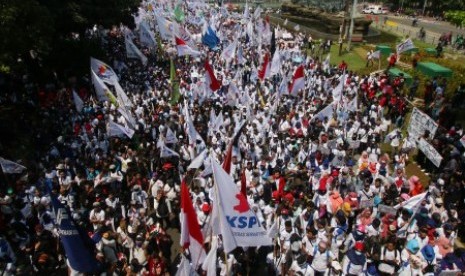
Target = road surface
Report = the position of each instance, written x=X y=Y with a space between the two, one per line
x=437 y=27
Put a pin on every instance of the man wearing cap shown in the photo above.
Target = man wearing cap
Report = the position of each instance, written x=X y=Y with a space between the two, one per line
x=97 y=216
x=354 y=262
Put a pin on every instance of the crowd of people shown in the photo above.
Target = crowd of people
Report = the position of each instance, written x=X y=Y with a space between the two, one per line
x=335 y=183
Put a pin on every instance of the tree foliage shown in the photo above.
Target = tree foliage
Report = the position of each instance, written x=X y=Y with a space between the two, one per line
x=456 y=17
x=437 y=7
x=44 y=26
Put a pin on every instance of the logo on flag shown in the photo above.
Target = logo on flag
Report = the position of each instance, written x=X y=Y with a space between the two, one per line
x=233 y=218
x=243 y=205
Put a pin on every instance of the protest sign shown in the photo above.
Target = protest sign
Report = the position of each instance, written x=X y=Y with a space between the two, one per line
x=366 y=204
x=430 y=152
x=387 y=209
x=419 y=122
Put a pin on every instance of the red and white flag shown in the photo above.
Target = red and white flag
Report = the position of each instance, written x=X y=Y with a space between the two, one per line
x=232 y=216
x=210 y=77
x=264 y=72
x=298 y=81
x=184 y=49
x=191 y=235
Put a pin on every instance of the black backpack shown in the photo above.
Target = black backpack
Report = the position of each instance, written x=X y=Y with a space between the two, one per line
x=162 y=208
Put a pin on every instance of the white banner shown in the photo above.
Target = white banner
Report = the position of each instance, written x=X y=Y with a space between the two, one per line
x=419 y=122
x=114 y=129
x=10 y=167
x=405 y=46
x=430 y=152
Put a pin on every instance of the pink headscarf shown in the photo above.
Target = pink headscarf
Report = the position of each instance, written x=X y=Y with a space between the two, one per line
x=365 y=217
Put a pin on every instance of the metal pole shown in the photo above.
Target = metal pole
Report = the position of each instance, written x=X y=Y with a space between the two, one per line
x=351 y=29
x=343 y=31
x=424 y=7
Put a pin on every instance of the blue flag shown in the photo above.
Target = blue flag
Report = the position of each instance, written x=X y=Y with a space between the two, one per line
x=210 y=39
x=79 y=248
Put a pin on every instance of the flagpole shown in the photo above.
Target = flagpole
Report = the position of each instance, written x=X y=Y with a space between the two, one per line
x=379 y=61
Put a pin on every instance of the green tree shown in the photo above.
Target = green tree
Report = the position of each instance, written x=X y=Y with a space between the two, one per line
x=25 y=25
x=50 y=26
x=456 y=17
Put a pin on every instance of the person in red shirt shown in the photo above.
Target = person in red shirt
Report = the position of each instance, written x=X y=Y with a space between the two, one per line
x=343 y=65
x=392 y=61
x=416 y=187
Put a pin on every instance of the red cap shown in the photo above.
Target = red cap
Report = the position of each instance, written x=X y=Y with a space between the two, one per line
x=359 y=246
x=206 y=207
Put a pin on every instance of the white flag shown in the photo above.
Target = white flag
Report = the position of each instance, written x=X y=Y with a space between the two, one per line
x=170 y=138
x=78 y=102
x=114 y=129
x=209 y=264
x=391 y=135
x=257 y=12
x=326 y=64
x=103 y=71
x=376 y=54
x=412 y=202
x=239 y=225
x=198 y=161
x=185 y=268
x=124 y=99
x=337 y=91
x=102 y=91
x=325 y=112
x=353 y=105
x=166 y=152
x=165 y=27
x=229 y=52
x=297 y=28
x=146 y=36
x=192 y=133
x=240 y=56
x=10 y=167
x=127 y=116
x=273 y=230
x=283 y=87
x=275 y=63
x=405 y=46
x=133 y=52
x=285 y=22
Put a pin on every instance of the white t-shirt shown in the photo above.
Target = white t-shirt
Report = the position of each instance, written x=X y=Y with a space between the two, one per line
x=321 y=260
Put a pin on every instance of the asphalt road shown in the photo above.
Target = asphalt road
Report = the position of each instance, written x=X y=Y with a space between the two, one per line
x=438 y=27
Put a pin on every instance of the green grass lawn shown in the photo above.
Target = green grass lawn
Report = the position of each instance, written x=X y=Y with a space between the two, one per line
x=352 y=58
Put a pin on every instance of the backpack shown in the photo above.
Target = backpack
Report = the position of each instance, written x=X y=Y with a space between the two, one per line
x=162 y=208
x=315 y=249
x=430 y=268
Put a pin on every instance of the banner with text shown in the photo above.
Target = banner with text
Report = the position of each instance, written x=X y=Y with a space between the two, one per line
x=419 y=122
x=430 y=152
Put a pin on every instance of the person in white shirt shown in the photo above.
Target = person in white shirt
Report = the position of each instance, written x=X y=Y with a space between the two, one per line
x=97 y=216
x=310 y=240
x=322 y=258
x=389 y=259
